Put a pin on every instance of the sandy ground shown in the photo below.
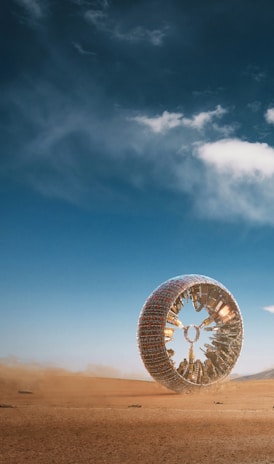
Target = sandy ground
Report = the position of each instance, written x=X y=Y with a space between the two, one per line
x=57 y=417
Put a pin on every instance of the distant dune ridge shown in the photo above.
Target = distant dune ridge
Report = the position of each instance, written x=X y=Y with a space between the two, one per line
x=268 y=374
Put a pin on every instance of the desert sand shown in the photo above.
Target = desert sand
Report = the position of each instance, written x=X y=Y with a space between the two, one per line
x=50 y=416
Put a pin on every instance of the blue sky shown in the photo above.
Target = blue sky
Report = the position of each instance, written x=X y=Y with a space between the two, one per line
x=137 y=144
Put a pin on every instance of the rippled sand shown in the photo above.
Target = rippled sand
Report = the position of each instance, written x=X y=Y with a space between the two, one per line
x=49 y=416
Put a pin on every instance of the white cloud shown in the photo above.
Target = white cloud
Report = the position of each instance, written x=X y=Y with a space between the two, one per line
x=35 y=9
x=167 y=121
x=270 y=309
x=200 y=120
x=237 y=182
x=239 y=157
x=269 y=115
x=162 y=123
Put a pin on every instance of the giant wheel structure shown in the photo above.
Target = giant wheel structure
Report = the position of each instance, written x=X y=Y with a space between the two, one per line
x=190 y=332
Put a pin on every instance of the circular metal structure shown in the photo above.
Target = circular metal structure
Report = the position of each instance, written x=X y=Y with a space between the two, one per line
x=190 y=332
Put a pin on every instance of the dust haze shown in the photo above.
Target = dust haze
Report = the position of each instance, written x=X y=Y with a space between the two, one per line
x=12 y=370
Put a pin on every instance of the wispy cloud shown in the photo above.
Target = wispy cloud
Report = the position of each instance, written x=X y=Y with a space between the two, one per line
x=270 y=309
x=207 y=92
x=269 y=115
x=97 y=18
x=254 y=106
x=255 y=73
x=34 y=9
x=160 y=124
x=226 y=130
x=91 y=3
x=100 y=18
x=66 y=150
x=157 y=36
x=198 y=121
x=154 y=36
x=82 y=50
x=100 y=3
x=167 y=121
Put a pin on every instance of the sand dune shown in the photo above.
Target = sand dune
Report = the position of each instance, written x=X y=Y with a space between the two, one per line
x=50 y=416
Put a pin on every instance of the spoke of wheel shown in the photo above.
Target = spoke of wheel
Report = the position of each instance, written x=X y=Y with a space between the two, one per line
x=206 y=322
x=173 y=319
